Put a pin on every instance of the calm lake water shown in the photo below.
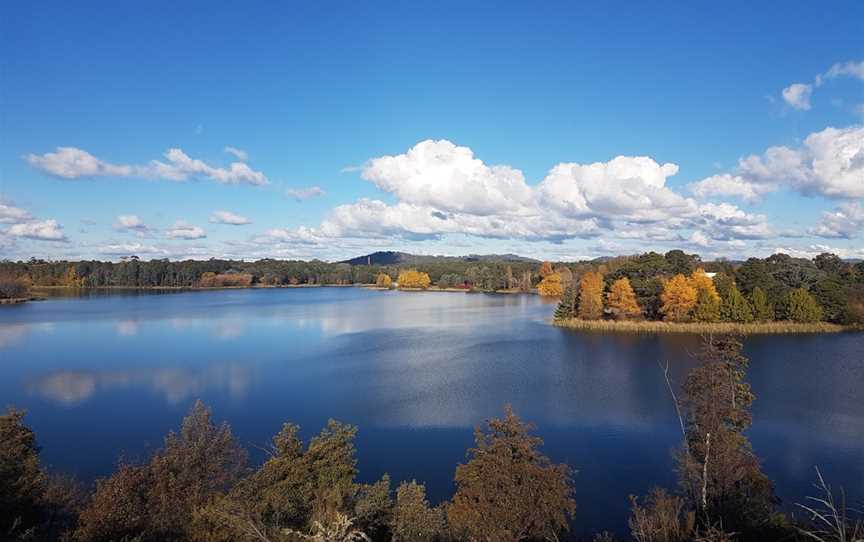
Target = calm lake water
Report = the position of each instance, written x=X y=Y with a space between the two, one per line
x=108 y=375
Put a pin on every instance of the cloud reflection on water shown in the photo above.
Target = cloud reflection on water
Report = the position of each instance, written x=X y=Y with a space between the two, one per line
x=70 y=388
x=11 y=334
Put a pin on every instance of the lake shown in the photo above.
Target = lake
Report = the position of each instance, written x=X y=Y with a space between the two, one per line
x=108 y=375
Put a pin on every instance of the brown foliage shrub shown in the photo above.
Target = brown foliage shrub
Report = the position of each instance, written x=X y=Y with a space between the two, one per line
x=508 y=491
x=661 y=518
x=225 y=280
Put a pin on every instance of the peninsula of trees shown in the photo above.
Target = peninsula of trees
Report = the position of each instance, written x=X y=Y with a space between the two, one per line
x=677 y=292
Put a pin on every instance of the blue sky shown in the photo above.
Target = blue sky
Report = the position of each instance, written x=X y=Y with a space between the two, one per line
x=617 y=128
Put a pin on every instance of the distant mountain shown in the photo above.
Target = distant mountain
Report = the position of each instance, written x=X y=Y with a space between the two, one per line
x=397 y=258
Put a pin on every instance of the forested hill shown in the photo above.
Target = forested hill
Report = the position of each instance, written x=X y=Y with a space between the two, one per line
x=404 y=258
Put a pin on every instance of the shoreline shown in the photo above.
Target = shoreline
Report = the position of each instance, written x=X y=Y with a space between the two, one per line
x=651 y=326
x=19 y=300
x=203 y=288
x=278 y=286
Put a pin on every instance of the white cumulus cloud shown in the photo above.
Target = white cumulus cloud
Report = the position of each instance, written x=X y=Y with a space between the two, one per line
x=448 y=177
x=302 y=194
x=40 y=230
x=798 y=95
x=183 y=230
x=729 y=185
x=443 y=190
x=829 y=163
x=130 y=223
x=849 y=69
x=9 y=214
x=843 y=223
x=181 y=167
x=227 y=217
x=627 y=187
x=73 y=163
x=240 y=154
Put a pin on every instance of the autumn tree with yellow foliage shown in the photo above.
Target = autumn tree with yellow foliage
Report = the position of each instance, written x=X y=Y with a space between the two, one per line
x=622 y=300
x=383 y=281
x=701 y=281
x=707 y=307
x=591 y=296
x=411 y=278
x=678 y=299
x=551 y=286
x=71 y=279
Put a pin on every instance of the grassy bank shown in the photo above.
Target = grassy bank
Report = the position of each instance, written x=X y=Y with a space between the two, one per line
x=646 y=326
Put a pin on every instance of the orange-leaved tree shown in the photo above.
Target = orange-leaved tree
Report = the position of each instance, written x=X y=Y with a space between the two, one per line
x=551 y=286
x=591 y=296
x=546 y=269
x=701 y=281
x=678 y=299
x=383 y=280
x=622 y=300
x=707 y=307
x=411 y=278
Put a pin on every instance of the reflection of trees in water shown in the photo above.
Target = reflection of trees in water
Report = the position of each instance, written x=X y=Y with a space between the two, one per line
x=174 y=384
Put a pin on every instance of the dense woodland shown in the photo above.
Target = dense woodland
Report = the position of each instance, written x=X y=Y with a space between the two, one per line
x=134 y=273
x=652 y=286
x=199 y=486
x=676 y=287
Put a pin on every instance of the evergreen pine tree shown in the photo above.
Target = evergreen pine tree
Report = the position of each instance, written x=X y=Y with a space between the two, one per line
x=567 y=306
x=707 y=307
x=716 y=407
x=799 y=306
x=762 y=309
x=735 y=308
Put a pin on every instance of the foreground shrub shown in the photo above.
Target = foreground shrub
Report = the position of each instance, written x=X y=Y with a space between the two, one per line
x=508 y=491
x=118 y=509
x=33 y=505
x=156 y=501
x=830 y=518
x=661 y=518
x=22 y=482
x=413 y=519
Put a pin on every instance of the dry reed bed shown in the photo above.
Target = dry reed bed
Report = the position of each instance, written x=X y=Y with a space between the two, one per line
x=645 y=326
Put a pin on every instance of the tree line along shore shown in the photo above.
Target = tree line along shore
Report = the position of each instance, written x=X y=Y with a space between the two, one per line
x=199 y=485
x=651 y=292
